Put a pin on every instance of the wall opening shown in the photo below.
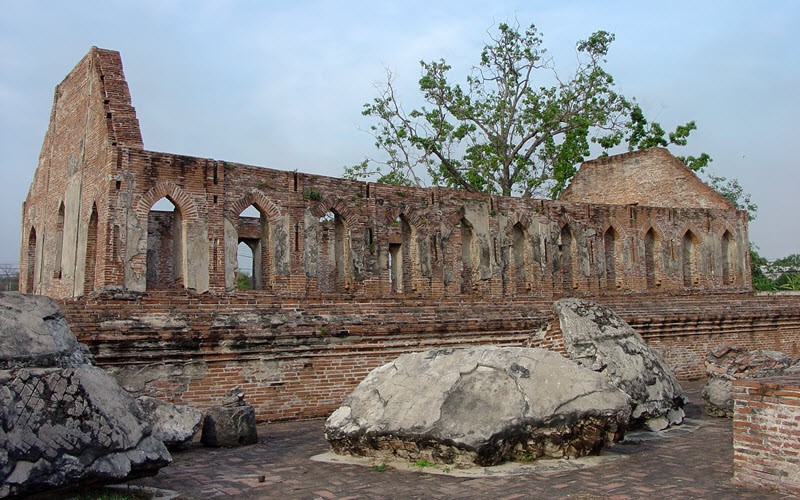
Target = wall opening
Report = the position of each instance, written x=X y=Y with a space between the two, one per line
x=31 y=272
x=652 y=248
x=467 y=265
x=610 y=257
x=59 y=242
x=332 y=253
x=253 y=250
x=166 y=246
x=89 y=273
x=408 y=255
x=727 y=259
x=689 y=259
x=566 y=259
x=396 y=267
x=518 y=258
x=245 y=263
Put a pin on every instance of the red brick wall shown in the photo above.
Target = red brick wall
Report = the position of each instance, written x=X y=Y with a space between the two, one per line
x=300 y=358
x=294 y=359
x=93 y=156
x=684 y=328
x=649 y=177
x=766 y=433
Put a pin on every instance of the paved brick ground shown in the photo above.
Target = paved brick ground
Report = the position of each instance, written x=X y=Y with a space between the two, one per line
x=696 y=465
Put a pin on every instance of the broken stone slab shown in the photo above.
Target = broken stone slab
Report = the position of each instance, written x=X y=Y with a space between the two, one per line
x=727 y=362
x=63 y=421
x=231 y=424
x=174 y=425
x=479 y=406
x=597 y=338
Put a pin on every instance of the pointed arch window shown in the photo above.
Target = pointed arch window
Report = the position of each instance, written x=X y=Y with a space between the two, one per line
x=467 y=257
x=610 y=257
x=90 y=269
x=518 y=274
x=59 y=242
x=652 y=249
x=166 y=246
x=30 y=285
x=566 y=259
x=689 y=258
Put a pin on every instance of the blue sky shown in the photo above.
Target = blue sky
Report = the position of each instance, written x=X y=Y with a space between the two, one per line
x=282 y=84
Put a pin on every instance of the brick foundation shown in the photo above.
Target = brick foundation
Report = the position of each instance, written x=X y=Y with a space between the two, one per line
x=766 y=433
x=299 y=359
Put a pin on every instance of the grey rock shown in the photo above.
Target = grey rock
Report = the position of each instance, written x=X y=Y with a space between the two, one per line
x=596 y=338
x=479 y=406
x=726 y=363
x=718 y=397
x=62 y=420
x=231 y=424
x=33 y=332
x=174 y=425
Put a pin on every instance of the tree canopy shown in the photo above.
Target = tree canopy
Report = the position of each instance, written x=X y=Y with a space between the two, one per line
x=516 y=127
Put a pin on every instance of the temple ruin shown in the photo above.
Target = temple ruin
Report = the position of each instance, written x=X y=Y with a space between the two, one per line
x=348 y=274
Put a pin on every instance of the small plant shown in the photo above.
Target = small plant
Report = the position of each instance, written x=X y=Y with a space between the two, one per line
x=381 y=467
x=493 y=213
x=372 y=249
x=243 y=281
x=447 y=469
x=263 y=183
x=400 y=193
x=227 y=166
x=527 y=458
x=324 y=330
x=422 y=463
x=312 y=194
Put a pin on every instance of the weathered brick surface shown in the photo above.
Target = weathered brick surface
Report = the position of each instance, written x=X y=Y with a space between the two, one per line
x=441 y=242
x=293 y=359
x=299 y=359
x=766 y=433
x=649 y=177
x=351 y=273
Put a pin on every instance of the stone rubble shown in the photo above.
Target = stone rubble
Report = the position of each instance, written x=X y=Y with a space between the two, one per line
x=62 y=420
x=726 y=363
x=231 y=424
x=174 y=425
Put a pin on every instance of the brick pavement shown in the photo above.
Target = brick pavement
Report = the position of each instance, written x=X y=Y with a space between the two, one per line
x=694 y=465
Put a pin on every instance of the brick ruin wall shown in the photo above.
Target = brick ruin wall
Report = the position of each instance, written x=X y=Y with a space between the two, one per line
x=300 y=358
x=88 y=224
x=348 y=274
x=766 y=433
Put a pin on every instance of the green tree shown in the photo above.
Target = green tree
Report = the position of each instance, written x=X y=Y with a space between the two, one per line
x=243 y=281
x=760 y=281
x=733 y=191
x=516 y=127
x=792 y=260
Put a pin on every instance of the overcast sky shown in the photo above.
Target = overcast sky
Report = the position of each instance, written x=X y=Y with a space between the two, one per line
x=282 y=84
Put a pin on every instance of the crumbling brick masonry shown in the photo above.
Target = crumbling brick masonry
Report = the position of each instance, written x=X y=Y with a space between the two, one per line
x=348 y=274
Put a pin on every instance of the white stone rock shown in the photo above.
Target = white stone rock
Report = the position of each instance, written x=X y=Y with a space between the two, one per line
x=480 y=405
x=596 y=338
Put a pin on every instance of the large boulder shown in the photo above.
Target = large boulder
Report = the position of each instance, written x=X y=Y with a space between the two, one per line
x=173 y=425
x=726 y=363
x=231 y=424
x=479 y=406
x=62 y=420
x=596 y=338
